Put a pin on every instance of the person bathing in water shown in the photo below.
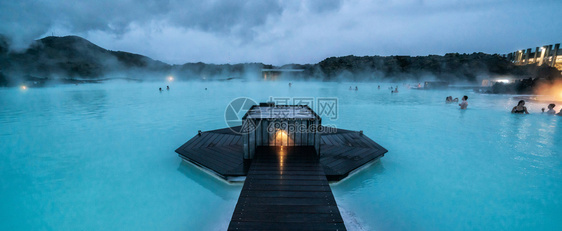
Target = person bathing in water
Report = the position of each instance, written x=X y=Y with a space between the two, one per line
x=520 y=108
x=464 y=103
x=551 y=110
x=450 y=99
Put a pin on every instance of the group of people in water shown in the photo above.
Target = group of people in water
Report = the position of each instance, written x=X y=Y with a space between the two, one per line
x=392 y=90
x=167 y=88
x=463 y=104
x=521 y=109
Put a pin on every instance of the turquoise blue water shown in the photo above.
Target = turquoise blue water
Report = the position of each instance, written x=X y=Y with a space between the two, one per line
x=101 y=157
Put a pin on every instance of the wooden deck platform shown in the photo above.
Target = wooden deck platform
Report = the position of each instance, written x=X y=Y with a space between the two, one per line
x=286 y=189
x=221 y=151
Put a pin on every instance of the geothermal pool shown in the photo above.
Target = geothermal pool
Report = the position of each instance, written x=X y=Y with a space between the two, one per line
x=101 y=157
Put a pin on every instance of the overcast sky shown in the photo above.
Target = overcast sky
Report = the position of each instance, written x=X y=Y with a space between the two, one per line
x=280 y=31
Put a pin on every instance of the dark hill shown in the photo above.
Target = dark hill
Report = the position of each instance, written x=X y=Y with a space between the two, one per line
x=73 y=57
x=450 y=67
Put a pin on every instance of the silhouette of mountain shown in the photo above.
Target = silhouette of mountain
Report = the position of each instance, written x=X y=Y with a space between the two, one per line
x=74 y=57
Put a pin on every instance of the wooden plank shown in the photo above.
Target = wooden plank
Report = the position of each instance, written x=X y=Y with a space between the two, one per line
x=286 y=168
x=261 y=201
x=336 y=155
x=300 y=194
x=348 y=166
x=285 y=217
x=235 y=140
x=198 y=139
x=275 y=198
x=317 y=209
x=348 y=137
x=351 y=157
x=289 y=177
x=240 y=142
x=317 y=171
x=296 y=226
x=234 y=152
x=221 y=155
x=339 y=139
x=334 y=141
x=230 y=138
x=203 y=156
x=210 y=139
x=223 y=139
x=189 y=142
x=216 y=140
x=215 y=166
x=326 y=149
x=326 y=140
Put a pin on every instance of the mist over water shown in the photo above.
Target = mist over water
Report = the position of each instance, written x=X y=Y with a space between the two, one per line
x=101 y=156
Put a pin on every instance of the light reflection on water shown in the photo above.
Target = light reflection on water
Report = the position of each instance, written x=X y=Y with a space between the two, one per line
x=102 y=156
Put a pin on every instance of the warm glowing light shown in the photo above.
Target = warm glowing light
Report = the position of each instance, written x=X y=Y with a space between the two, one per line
x=170 y=78
x=281 y=138
x=282 y=154
x=554 y=90
x=503 y=80
x=23 y=87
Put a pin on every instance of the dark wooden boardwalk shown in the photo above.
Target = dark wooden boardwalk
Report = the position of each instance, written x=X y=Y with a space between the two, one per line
x=286 y=189
x=221 y=151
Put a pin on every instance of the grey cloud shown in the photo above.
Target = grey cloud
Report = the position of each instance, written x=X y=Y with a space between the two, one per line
x=25 y=20
x=236 y=18
x=281 y=31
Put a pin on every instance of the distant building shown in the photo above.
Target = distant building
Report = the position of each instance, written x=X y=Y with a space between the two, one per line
x=273 y=74
x=491 y=82
x=548 y=54
x=435 y=84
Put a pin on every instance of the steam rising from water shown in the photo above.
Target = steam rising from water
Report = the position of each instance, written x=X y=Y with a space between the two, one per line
x=553 y=90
